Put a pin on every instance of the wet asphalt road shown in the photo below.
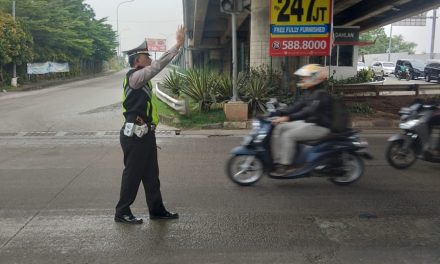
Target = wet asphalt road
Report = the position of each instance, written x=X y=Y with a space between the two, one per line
x=58 y=189
x=57 y=196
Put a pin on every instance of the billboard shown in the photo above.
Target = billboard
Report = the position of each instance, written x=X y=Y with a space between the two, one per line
x=47 y=67
x=157 y=45
x=300 y=27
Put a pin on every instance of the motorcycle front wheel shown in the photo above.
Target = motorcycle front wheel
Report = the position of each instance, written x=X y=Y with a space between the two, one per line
x=244 y=170
x=352 y=169
x=398 y=157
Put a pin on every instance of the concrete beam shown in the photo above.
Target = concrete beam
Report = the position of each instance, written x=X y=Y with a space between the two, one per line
x=201 y=8
x=340 y=6
x=217 y=24
x=206 y=47
x=227 y=34
x=364 y=10
x=409 y=9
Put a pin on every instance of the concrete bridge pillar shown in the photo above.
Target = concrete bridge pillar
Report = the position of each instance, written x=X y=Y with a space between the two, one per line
x=259 y=39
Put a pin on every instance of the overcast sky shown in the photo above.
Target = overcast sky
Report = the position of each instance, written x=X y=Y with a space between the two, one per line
x=141 y=19
x=420 y=35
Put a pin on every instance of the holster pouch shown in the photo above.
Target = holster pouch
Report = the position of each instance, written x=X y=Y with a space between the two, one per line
x=129 y=129
x=140 y=131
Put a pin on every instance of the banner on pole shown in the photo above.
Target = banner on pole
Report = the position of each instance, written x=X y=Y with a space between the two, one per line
x=300 y=27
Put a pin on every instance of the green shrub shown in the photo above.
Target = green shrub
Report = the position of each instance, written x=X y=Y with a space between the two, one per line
x=173 y=82
x=257 y=91
x=272 y=77
x=223 y=90
x=257 y=85
x=362 y=76
x=199 y=86
x=361 y=108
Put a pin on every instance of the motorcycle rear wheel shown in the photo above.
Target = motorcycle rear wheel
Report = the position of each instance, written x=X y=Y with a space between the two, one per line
x=353 y=169
x=398 y=157
x=244 y=170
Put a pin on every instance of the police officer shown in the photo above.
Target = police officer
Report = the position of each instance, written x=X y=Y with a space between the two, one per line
x=137 y=137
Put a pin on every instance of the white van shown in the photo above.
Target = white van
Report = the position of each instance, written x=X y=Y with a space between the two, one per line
x=383 y=68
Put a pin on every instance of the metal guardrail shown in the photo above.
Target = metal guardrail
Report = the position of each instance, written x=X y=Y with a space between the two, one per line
x=376 y=89
x=180 y=106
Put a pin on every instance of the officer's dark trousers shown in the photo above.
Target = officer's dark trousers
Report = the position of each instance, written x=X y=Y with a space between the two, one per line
x=140 y=161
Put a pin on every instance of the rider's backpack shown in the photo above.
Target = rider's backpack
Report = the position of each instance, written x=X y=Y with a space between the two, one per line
x=340 y=116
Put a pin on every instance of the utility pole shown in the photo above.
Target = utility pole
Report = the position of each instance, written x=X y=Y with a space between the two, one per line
x=233 y=7
x=117 y=25
x=389 y=43
x=14 y=65
x=234 y=58
x=434 y=18
x=235 y=110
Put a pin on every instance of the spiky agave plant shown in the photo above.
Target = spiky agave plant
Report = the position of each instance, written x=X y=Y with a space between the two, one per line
x=224 y=88
x=199 y=85
x=173 y=82
x=257 y=92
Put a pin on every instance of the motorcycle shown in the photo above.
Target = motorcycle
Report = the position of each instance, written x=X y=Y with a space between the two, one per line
x=338 y=157
x=403 y=75
x=415 y=141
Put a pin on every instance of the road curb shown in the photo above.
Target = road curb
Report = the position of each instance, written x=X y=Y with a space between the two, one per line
x=374 y=126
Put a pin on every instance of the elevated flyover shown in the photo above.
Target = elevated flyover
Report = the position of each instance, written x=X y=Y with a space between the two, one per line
x=209 y=30
x=209 y=27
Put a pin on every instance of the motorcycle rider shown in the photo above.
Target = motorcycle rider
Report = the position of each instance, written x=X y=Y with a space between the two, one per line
x=434 y=122
x=307 y=119
x=402 y=71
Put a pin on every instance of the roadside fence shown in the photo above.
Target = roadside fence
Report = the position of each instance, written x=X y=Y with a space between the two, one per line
x=380 y=89
x=180 y=106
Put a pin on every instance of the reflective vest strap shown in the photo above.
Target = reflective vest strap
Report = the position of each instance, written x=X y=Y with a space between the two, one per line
x=152 y=109
x=154 y=113
x=125 y=91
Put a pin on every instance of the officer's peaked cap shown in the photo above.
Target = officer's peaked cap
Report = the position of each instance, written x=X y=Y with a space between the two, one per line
x=141 y=49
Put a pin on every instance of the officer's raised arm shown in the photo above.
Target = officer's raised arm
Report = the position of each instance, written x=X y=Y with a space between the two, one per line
x=148 y=69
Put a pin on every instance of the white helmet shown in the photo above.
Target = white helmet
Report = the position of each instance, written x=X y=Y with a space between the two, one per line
x=311 y=75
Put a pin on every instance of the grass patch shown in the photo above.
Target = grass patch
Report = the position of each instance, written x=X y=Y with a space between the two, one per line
x=197 y=119
x=164 y=109
x=7 y=88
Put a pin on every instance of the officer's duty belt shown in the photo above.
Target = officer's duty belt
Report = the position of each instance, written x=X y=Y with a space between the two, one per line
x=140 y=121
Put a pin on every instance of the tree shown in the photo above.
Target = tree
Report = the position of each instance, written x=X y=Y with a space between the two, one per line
x=15 y=43
x=64 y=30
x=398 y=44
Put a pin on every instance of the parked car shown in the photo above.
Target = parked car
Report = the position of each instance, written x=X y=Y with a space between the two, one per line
x=416 y=68
x=383 y=68
x=361 y=66
x=432 y=71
